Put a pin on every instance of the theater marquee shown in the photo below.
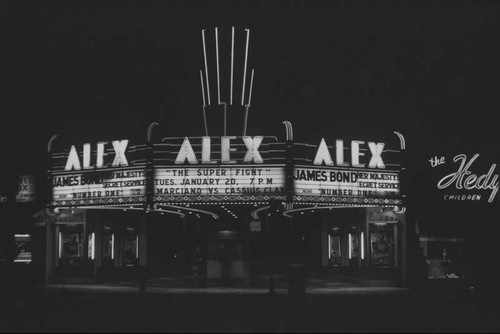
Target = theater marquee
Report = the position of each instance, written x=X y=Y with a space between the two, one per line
x=105 y=174
x=358 y=173
x=229 y=169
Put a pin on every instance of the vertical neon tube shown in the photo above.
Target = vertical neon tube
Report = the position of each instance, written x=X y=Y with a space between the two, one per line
x=350 y=246
x=206 y=66
x=329 y=246
x=137 y=246
x=362 y=246
x=250 y=93
x=340 y=244
x=60 y=245
x=93 y=246
x=112 y=246
x=202 y=88
x=245 y=68
x=232 y=67
x=217 y=57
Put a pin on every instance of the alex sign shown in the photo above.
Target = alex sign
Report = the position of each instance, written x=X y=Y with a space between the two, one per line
x=120 y=159
x=100 y=174
x=323 y=154
x=186 y=152
x=227 y=168
x=359 y=176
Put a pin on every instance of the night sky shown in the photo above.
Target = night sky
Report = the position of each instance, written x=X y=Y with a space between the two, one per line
x=350 y=69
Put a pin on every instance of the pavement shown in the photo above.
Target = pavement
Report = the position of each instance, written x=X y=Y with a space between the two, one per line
x=116 y=307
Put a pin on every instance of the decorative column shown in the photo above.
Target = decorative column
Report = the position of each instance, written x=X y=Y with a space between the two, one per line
x=409 y=241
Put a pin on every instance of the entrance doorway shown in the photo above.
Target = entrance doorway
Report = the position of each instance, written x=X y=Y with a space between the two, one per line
x=345 y=245
x=226 y=248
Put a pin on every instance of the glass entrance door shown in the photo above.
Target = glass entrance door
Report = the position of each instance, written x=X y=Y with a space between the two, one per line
x=346 y=246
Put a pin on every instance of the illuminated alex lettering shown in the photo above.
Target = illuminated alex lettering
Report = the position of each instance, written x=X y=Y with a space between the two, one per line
x=355 y=154
x=206 y=151
x=376 y=149
x=120 y=158
x=186 y=152
x=100 y=154
x=225 y=143
x=119 y=146
x=323 y=154
x=339 y=148
x=73 y=161
x=464 y=179
x=252 y=145
x=86 y=156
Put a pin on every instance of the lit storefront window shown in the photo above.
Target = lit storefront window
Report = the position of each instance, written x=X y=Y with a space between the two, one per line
x=70 y=244
x=108 y=244
x=382 y=246
x=335 y=247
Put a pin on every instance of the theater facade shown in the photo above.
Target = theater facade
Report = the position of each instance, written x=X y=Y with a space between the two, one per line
x=118 y=206
x=115 y=206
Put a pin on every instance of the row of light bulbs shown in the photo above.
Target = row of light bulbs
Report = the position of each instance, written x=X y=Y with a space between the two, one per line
x=229 y=212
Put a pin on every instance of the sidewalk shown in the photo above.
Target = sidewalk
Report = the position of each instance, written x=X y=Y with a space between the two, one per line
x=280 y=282
x=220 y=290
x=259 y=285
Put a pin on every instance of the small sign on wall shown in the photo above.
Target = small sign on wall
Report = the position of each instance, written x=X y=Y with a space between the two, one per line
x=25 y=189
x=256 y=226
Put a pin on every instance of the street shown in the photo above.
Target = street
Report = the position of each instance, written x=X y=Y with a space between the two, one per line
x=101 y=308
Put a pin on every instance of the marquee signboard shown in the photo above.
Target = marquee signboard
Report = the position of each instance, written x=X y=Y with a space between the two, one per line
x=208 y=170
x=212 y=184
x=106 y=187
x=359 y=173
x=219 y=169
x=337 y=185
x=106 y=175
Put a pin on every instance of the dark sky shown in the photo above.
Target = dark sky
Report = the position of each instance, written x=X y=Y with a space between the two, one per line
x=349 y=69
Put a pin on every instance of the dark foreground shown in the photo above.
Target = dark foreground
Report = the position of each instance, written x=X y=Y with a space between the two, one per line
x=351 y=309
